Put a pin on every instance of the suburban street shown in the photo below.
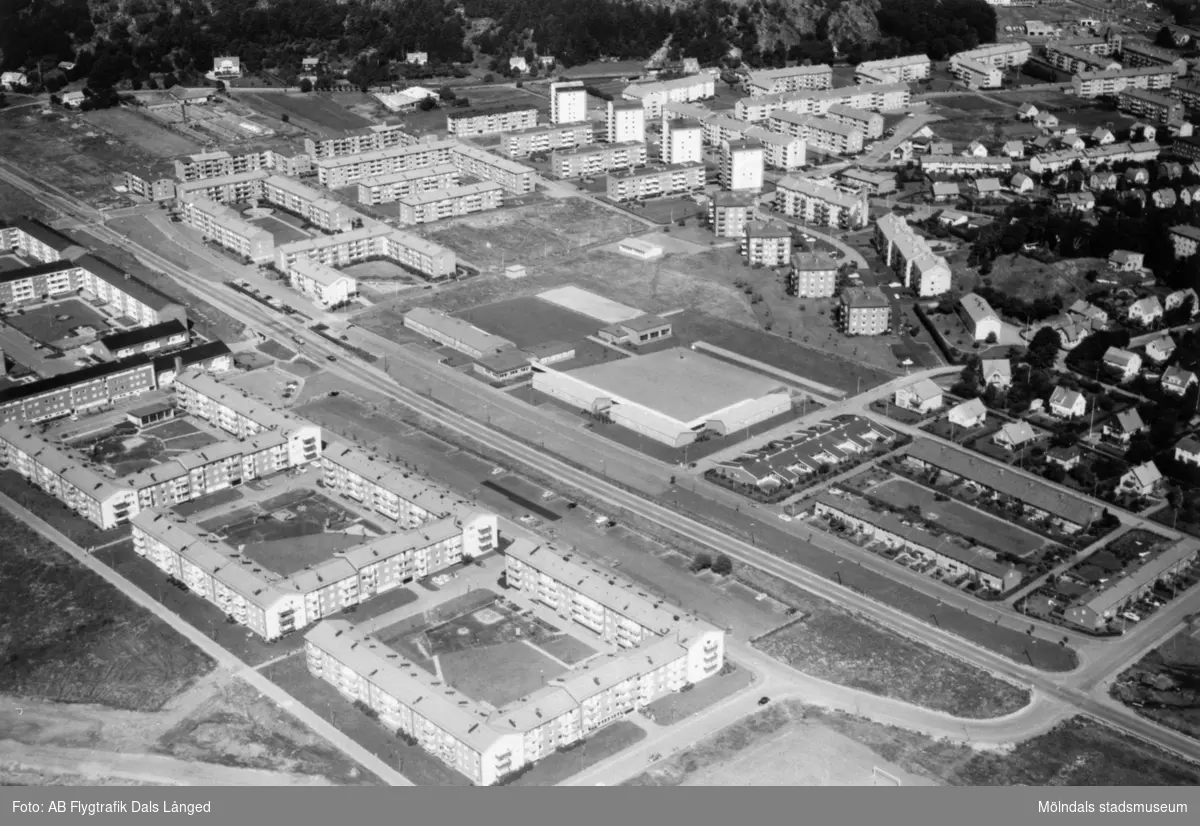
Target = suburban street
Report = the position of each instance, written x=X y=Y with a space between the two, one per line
x=435 y=394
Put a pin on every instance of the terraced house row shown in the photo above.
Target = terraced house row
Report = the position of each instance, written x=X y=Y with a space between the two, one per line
x=658 y=650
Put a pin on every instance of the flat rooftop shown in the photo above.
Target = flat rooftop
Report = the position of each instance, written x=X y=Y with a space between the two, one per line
x=679 y=383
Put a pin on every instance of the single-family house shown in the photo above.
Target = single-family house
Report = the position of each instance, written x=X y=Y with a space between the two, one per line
x=1187 y=451
x=1014 y=435
x=1027 y=111
x=1021 y=183
x=1122 y=364
x=987 y=187
x=1102 y=181
x=1045 y=120
x=941 y=148
x=976 y=149
x=518 y=63
x=953 y=218
x=970 y=413
x=1189 y=194
x=901 y=152
x=1177 y=381
x=1123 y=426
x=1160 y=349
x=1137 y=176
x=996 y=373
x=227 y=67
x=1072 y=331
x=1065 y=457
x=1102 y=136
x=1126 y=260
x=72 y=100
x=1143 y=132
x=945 y=191
x=1089 y=311
x=1075 y=201
x=1171 y=170
x=1164 y=198
x=1073 y=142
x=1147 y=311
x=1067 y=404
x=12 y=80
x=1144 y=479
x=1181 y=297
x=1014 y=149
x=923 y=396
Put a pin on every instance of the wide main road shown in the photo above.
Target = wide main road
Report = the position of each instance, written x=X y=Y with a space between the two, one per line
x=1058 y=686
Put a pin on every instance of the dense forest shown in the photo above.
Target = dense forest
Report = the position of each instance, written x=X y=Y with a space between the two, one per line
x=116 y=40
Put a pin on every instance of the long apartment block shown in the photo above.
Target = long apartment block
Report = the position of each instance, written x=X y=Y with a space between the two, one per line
x=310 y=204
x=33 y=239
x=893 y=70
x=426 y=207
x=77 y=391
x=1000 y=55
x=820 y=133
x=373 y=241
x=780 y=151
x=221 y=163
x=1114 y=81
x=386 y=189
x=774 y=81
x=225 y=189
x=653 y=182
x=346 y=170
x=228 y=228
x=911 y=257
x=271 y=604
x=547 y=138
x=1157 y=108
x=658 y=650
x=1063 y=56
x=368 y=139
x=517 y=179
x=471 y=123
x=654 y=96
x=597 y=159
x=821 y=203
x=874 y=97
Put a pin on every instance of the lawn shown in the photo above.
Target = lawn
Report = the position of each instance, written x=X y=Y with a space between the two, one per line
x=315 y=108
x=71 y=637
x=125 y=454
x=669 y=710
x=8 y=263
x=1028 y=279
x=561 y=765
x=171 y=429
x=530 y=321
x=75 y=527
x=286 y=539
x=186 y=444
x=498 y=674
x=274 y=349
x=55 y=322
x=281 y=231
x=132 y=127
x=976 y=526
x=418 y=765
x=212 y=500
x=567 y=648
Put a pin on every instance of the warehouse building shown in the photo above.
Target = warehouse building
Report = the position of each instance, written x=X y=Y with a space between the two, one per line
x=455 y=333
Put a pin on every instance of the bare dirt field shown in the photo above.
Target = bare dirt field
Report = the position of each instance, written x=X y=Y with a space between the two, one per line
x=15 y=203
x=315 y=109
x=138 y=129
x=1162 y=685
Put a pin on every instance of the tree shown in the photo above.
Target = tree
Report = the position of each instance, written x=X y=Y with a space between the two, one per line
x=305 y=85
x=701 y=562
x=1164 y=39
x=285 y=117
x=1043 y=349
x=446 y=93
x=723 y=565
x=427 y=104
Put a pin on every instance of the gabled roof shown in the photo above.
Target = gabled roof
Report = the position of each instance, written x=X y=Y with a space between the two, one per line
x=1017 y=433
x=1130 y=421
x=971 y=407
x=924 y=390
x=1116 y=357
x=990 y=367
x=1188 y=445
x=1063 y=397
x=1146 y=474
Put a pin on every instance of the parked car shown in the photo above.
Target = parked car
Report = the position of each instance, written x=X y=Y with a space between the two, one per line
x=762 y=701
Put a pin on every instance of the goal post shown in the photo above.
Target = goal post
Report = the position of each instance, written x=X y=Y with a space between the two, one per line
x=879 y=777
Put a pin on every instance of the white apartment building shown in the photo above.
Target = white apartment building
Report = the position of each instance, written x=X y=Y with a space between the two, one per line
x=517 y=179
x=1111 y=83
x=568 y=102
x=766 y=243
x=372 y=241
x=868 y=122
x=893 y=70
x=228 y=228
x=719 y=129
x=386 y=189
x=308 y=203
x=1001 y=55
x=652 y=96
x=655 y=182
x=774 y=81
x=326 y=286
x=471 y=123
x=587 y=161
x=975 y=74
x=526 y=142
x=782 y=152
x=819 y=133
x=221 y=163
x=224 y=189
x=347 y=170
x=910 y=256
x=682 y=141
x=625 y=122
x=425 y=207
x=821 y=203
x=742 y=166
x=729 y=212
x=359 y=141
x=877 y=97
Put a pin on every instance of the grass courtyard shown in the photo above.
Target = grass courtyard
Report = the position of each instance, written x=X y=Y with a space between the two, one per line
x=55 y=322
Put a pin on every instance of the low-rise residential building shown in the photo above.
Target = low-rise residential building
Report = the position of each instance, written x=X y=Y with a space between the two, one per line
x=1123 y=426
x=1177 y=381
x=1187 y=451
x=597 y=159
x=522 y=143
x=867 y=122
x=1014 y=435
x=470 y=123
x=325 y=285
x=909 y=255
x=813 y=275
x=865 y=311
x=897 y=69
x=224 y=189
x=655 y=182
x=782 y=152
x=821 y=203
x=1126 y=260
x=996 y=373
x=1112 y=82
x=923 y=396
x=1097 y=608
x=975 y=74
x=766 y=243
x=878 y=97
x=1123 y=364
x=517 y=179
x=359 y=141
x=966 y=165
x=1158 y=108
x=1160 y=350
x=372 y=241
x=308 y=203
x=1138 y=54
x=819 y=133
x=795 y=78
x=386 y=189
x=1186 y=240
x=982 y=321
x=154 y=183
x=653 y=96
x=157 y=338
x=1067 y=404
x=1179 y=298
x=970 y=413
x=338 y=171
x=876 y=183
x=1146 y=311
x=227 y=227
x=1142 y=480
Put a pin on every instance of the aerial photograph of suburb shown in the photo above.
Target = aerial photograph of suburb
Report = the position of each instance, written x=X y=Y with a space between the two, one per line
x=600 y=393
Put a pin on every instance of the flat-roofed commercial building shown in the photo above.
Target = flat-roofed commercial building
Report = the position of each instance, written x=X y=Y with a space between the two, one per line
x=910 y=256
x=517 y=179
x=597 y=159
x=386 y=189
x=671 y=396
x=225 y=189
x=425 y=207
x=653 y=96
x=865 y=311
x=227 y=227
x=358 y=141
x=1151 y=106
x=454 y=332
x=345 y=170
x=819 y=133
x=1114 y=81
x=310 y=204
x=373 y=241
x=774 y=81
x=625 y=122
x=766 y=244
x=897 y=69
x=547 y=138
x=728 y=213
x=654 y=182
x=822 y=203
x=469 y=123
x=325 y=285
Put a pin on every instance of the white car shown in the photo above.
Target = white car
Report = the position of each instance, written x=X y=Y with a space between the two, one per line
x=785 y=517
x=1132 y=617
x=496 y=471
